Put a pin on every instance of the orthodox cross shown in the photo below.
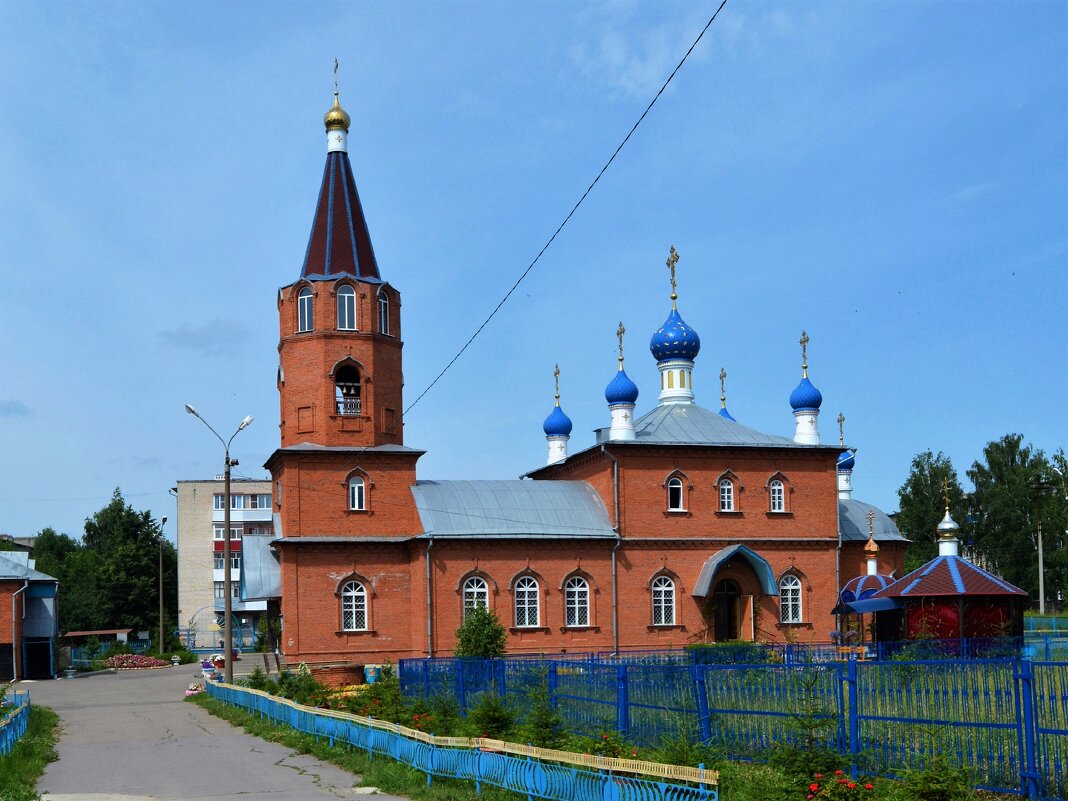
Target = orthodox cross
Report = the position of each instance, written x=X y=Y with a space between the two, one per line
x=871 y=523
x=804 y=354
x=556 y=376
x=723 y=386
x=945 y=492
x=335 y=76
x=619 y=333
x=841 y=429
x=672 y=260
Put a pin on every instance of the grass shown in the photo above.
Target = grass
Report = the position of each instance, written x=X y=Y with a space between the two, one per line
x=20 y=770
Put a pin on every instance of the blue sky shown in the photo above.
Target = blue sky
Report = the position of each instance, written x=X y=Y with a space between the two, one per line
x=892 y=177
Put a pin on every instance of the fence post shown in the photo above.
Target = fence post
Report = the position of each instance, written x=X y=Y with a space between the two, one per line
x=1025 y=686
x=461 y=696
x=853 y=715
x=426 y=678
x=704 y=725
x=622 y=701
x=552 y=685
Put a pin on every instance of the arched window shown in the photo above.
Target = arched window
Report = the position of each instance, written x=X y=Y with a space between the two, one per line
x=526 y=602
x=663 y=601
x=790 y=599
x=777 y=491
x=346 y=308
x=304 y=310
x=383 y=313
x=353 y=607
x=476 y=593
x=726 y=495
x=674 y=491
x=357 y=494
x=347 y=390
x=576 y=602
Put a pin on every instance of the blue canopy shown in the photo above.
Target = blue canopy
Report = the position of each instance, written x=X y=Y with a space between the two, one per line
x=759 y=564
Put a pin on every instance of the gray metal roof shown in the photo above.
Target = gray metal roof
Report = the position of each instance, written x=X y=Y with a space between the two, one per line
x=690 y=424
x=18 y=565
x=511 y=509
x=853 y=519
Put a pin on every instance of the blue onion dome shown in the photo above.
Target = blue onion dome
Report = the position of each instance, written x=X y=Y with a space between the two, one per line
x=726 y=415
x=806 y=397
x=621 y=389
x=675 y=340
x=846 y=461
x=557 y=424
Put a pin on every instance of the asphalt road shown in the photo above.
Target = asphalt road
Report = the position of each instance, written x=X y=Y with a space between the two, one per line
x=130 y=735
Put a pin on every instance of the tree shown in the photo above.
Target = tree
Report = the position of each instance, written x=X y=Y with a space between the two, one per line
x=923 y=505
x=1015 y=486
x=481 y=634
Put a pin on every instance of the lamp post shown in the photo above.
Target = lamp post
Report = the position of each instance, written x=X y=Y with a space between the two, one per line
x=162 y=523
x=228 y=628
x=1042 y=487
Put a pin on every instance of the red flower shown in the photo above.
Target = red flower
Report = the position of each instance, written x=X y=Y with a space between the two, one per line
x=838 y=773
x=869 y=786
x=809 y=795
x=813 y=787
x=851 y=786
x=819 y=775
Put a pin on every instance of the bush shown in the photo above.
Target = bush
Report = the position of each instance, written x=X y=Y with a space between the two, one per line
x=482 y=634
x=543 y=726
x=302 y=687
x=939 y=781
x=491 y=716
x=382 y=700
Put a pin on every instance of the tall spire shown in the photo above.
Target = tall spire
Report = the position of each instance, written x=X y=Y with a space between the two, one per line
x=806 y=401
x=622 y=395
x=557 y=426
x=723 y=395
x=948 y=544
x=340 y=243
x=672 y=260
x=870 y=548
x=674 y=346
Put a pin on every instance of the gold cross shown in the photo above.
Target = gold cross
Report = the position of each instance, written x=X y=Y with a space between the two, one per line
x=841 y=429
x=335 y=76
x=619 y=333
x=945 y=492
x=871 y=525
x=672 y=260
x=556 y=376
x=723 y=386
x=804 y=354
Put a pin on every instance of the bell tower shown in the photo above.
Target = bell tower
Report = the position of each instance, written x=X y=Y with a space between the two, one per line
x=339 y=347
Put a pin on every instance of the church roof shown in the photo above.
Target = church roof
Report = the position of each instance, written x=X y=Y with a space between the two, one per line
x=853 y=520
x=948 y=575
x=340 y=243
x=690 y=424
x=571 y=509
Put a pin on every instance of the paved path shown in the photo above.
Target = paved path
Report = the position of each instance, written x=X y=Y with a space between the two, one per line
x=130 y=736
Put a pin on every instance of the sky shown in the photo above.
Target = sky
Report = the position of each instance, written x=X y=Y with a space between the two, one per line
x=891 y=177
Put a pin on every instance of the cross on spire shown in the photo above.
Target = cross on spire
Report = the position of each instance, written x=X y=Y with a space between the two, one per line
x=804 y=354
x=556 y=377
x=841 y=429
x=871 y=523
x=619 y=333
x=335 y=76
x=672 y=260
x=945 y=492
x=723 y=387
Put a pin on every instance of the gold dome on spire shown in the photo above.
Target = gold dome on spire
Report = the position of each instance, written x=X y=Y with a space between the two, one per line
x=336 y=119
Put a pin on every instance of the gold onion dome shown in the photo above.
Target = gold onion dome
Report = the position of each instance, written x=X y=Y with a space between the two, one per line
x=336 y=119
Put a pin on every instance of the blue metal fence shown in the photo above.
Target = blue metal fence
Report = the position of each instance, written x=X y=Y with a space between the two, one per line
x=535 y=778
x=1006 y=720
x=14 y=718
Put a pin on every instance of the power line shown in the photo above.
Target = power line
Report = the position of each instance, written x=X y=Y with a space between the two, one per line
x=571 y=213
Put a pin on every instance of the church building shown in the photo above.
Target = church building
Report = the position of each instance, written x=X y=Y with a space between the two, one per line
x=674 y=525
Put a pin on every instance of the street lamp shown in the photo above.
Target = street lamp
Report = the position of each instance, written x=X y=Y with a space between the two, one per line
x=162 y=523
x=228 y=630
x=1042 y=487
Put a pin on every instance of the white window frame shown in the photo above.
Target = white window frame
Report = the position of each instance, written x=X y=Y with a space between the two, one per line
x=346 y=308
x=260 y=500
x=219 y=502
x=777 y=493
x=527 y=602
x=476 y=593
x=237 y=500
x=220 y=590
x=675 y=484
x=576 y=602
x=357 y=494
x=790 y=610
x=354 y=611
x=383 y=313
x=663 y=601
x=305 y=310
x=726 y=495
x=218 y=560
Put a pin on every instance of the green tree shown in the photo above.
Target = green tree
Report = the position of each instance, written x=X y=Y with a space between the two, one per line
x=922 y=505
x=481 y=634
x=76 y=568
x=1015 y=486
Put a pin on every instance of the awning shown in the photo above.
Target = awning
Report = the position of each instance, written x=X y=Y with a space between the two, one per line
x=261 y=575
x=868 y=605
x=760 y=566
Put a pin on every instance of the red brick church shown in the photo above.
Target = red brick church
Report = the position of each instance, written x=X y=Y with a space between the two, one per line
x=675 y=525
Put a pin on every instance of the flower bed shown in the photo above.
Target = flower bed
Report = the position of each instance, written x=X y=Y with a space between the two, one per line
x=134 y=662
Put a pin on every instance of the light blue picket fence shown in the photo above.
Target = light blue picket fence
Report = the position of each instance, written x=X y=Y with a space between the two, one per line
x=485 y=763
x=14 y=717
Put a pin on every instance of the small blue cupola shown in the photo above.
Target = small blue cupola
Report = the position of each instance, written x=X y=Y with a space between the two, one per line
x=723 y=396
x=557 y=427
x=675 y=345
x=622 y=395
x=846 y=461
x=806 y=401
